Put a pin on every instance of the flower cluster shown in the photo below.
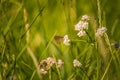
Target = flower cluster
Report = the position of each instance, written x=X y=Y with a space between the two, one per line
x=66 y=40
x=82 y=25
x=46 y=64
x=76 y=63
x=100 y=31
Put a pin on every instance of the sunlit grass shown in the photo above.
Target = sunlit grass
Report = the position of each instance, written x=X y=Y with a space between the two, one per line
x=32 y=31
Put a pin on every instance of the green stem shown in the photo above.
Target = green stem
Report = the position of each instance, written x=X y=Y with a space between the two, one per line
x=108 y=43
x=69 y=78
x=99 y=13
x=107 y=68
x=77 y=40
x=60 y=77
x=35 y=18
x=33 y=74
x=98 y=61
x=43 y=53
x=90 y=38
x=85 y=73
x=50 y=74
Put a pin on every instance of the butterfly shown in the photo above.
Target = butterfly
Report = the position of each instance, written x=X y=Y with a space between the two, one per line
x=58 y=39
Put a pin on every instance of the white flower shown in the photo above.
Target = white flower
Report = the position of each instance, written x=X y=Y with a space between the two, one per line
x=76 y=63
x=81 y=25
x=81 y=33
x=46 y=64
x=85 y=25
x=43 y=64
x=101 y=31
x=85 y=17
x=78 y=27
x=66 y=40
x=50 y=61
x=60 y=63
x=42 y=71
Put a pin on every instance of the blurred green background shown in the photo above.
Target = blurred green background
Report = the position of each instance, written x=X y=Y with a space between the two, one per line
x=46 y=19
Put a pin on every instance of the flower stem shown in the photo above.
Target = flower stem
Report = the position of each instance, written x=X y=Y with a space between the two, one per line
x=99 y=13
x=50 y=74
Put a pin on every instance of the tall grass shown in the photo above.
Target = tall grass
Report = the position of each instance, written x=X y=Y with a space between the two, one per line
x=27 y=36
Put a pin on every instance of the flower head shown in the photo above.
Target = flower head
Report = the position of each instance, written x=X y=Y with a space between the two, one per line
x=43 y=67
x=82 y=25
x=43 y=64
x=66 y=40
x=46 y=64
x=42 y=71
x=60 y=63
x=85 y=17
x=101 y=31
x=78 y=27
x=85 y=25
x=81 y=33
x=76 y=63
x=50 y=61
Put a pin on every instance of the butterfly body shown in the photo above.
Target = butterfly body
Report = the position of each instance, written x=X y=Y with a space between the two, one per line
x=58 y=39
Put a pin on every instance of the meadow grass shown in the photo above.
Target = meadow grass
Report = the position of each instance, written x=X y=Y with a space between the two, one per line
x=33 y=46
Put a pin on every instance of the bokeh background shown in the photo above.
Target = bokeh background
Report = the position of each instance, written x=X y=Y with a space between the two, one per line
x=47 y=18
